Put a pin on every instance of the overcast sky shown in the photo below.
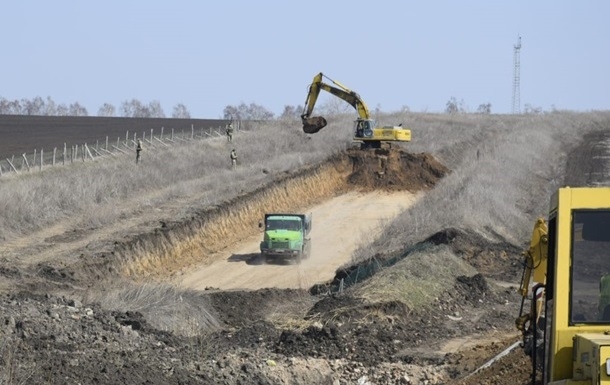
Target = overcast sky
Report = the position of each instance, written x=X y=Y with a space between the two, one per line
x=210 y=54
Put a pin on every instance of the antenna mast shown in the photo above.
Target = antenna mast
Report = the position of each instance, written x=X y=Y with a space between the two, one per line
x=517 y=77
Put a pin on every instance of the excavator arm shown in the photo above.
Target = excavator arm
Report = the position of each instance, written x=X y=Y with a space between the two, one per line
x=313 y=124
x=534 y=270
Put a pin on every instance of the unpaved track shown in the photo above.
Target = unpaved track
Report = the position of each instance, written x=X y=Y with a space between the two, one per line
x=339 y=227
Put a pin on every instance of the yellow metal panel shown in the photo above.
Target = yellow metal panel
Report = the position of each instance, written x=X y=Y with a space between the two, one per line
x=604 y=356
x=562 y=203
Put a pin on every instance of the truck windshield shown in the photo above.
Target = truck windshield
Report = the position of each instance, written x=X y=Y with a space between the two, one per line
x=283 y=224
x=590 y=275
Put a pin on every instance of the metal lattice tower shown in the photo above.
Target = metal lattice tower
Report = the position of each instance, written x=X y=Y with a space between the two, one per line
x=517 y=78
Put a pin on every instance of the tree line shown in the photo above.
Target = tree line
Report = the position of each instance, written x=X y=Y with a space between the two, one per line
x=133 y=108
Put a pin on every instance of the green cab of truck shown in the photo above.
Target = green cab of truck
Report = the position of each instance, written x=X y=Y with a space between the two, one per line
x=286 y=237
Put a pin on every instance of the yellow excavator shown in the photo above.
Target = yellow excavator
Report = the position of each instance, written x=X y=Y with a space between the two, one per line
x=365 y=130
x=566 y=328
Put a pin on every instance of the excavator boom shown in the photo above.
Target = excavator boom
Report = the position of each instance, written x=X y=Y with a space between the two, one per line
x=365 y=130
x=313 y=124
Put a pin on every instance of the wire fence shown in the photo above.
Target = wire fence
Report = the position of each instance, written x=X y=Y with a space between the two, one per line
x=39 y=159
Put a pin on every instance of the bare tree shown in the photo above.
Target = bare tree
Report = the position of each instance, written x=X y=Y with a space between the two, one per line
x=252 y=111
x=107 y=110
x=76 y=109
x=484 y=108
x=291 y=112
x=62 y=110
x=532 y=110
x=334 y=106
x=10 y=107
x=452 y=106
x=37 y=106
x=181 y=112
x=155 y=110
x=136 y=109
x=50 y=108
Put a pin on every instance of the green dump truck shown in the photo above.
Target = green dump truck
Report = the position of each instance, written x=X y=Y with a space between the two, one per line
x=286 y=237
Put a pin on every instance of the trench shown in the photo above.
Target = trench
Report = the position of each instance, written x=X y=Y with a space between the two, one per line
x=175 y=247
x=208 y=236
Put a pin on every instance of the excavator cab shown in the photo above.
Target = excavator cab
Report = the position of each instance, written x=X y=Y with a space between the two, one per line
x=572 y=346
x=364 y=128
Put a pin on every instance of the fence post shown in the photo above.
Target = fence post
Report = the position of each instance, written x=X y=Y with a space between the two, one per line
x=34 y=160
x=63 y=158
x=172 y=137
x=13 y=166
x=88 y=152
x=192 y=131
x=106 y=144
x=162 y=132
x=126 y=137
x=27 y=164
x=54 y=152
x=41 y=159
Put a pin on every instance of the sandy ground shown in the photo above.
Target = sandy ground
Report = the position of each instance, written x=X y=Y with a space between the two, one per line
x=340 y=226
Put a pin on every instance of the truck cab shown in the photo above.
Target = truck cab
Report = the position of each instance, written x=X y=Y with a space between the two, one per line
x=286 y=237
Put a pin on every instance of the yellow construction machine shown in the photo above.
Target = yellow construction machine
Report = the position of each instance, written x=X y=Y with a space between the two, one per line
x=365 y=130
x=566 y=328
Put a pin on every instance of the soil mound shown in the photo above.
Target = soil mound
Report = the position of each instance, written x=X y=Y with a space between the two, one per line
x=394 y=169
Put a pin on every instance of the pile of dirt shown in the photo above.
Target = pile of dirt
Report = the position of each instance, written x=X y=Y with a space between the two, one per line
x=344 y=340
x=394 y=169
x=498 y=260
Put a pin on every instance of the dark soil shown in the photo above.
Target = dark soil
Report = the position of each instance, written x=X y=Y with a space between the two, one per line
x=394 y=170
x=23 y=134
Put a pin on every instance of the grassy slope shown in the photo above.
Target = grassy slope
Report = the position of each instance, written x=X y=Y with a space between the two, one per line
x=521 y=159
x=499 y=193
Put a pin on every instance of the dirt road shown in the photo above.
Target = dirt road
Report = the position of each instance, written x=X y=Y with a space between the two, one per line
x=339 y=227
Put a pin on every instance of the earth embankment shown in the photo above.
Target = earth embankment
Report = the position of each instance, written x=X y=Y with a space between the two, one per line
x=218 y=234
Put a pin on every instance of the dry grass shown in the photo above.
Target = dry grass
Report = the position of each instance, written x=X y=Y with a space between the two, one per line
x=94 y=193
x=521 y=160
x=292 y=315
x=417 y=280
x=163 y=306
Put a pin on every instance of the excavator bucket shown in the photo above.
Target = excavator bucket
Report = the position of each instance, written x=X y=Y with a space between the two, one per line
x=313 y=124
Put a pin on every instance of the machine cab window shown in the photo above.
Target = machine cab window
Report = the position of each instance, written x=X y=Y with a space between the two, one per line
x=590 y=272
x=363 y=128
